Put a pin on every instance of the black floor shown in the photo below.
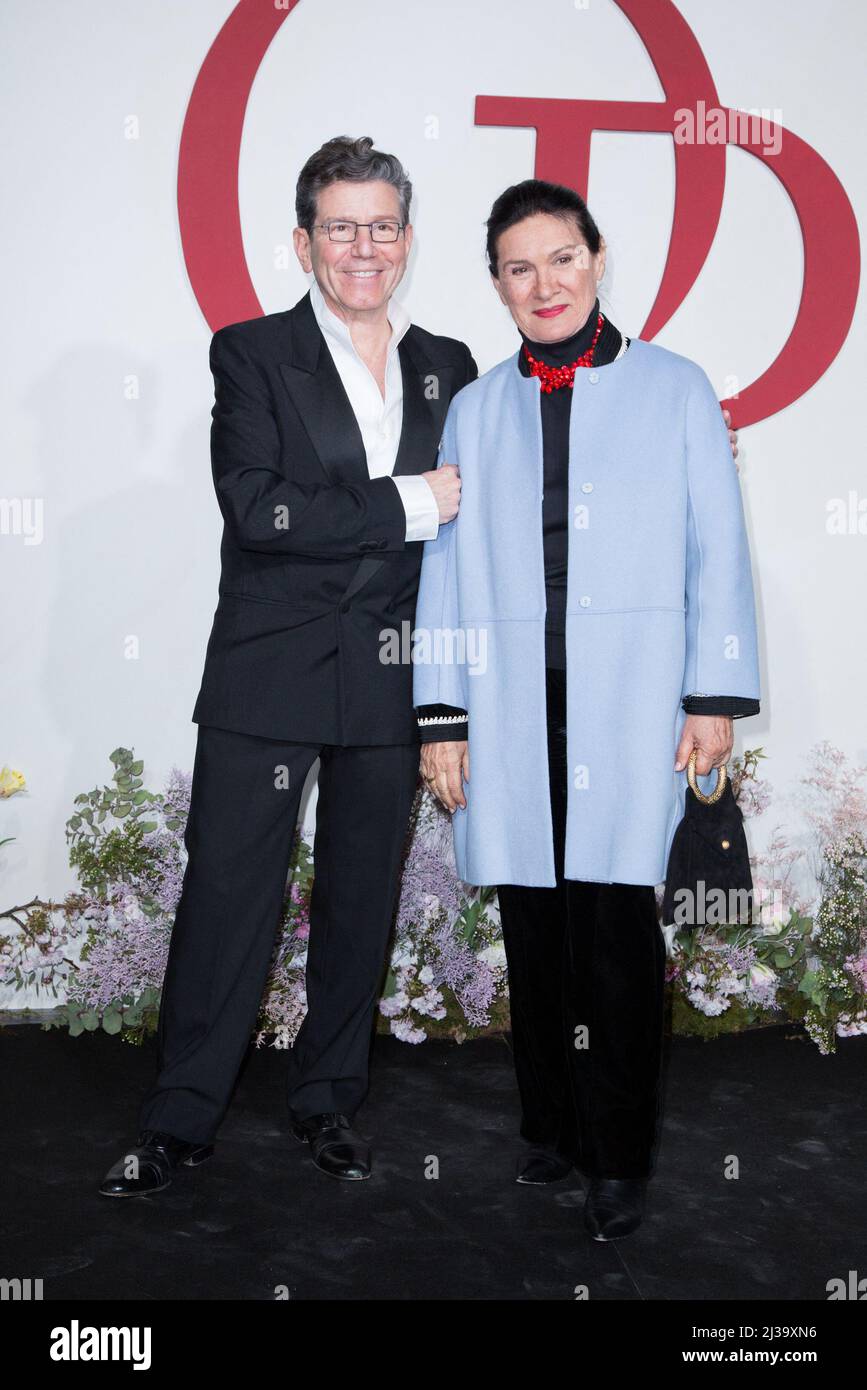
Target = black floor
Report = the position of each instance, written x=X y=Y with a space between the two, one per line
x=258 y=1216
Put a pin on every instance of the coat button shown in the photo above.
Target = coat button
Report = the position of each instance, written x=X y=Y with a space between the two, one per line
x=586 y=487
x=593 y=378
x=345 y=607
x=381 y=545
x=584 y=600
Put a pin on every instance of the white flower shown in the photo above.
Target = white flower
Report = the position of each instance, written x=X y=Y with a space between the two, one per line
x=494 y=956
x=731 y=984
x=708 y=1004
x=395 y=1003
x=848 y=1027
x=430 y=1003
x=669 y=932
x=774 y=918
x=431 y=907
x=403 y=1029
x=403 y=955
x=761 y=976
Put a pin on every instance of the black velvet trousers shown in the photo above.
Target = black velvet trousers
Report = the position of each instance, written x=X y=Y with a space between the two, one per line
x=586 y=968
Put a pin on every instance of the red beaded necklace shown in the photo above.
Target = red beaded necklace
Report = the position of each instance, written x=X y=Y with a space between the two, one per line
x=550 y=378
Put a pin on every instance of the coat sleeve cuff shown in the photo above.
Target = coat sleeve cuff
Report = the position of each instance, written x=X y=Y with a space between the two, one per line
x=438 y=723
x=730 y=706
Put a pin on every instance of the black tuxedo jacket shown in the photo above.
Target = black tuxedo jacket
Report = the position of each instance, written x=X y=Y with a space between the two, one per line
x=313 y=558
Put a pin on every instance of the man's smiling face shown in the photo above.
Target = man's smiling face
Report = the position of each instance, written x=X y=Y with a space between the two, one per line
x=357 y=277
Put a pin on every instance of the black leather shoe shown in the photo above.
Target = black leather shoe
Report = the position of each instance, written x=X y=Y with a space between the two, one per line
x=156 y=1157
x=538 y=1165
x=614 y=1207
x=335 y=1147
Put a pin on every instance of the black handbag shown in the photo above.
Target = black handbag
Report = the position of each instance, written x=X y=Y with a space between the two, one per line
x=708 y=854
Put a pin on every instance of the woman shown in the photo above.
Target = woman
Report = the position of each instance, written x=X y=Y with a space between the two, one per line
x=590 y=619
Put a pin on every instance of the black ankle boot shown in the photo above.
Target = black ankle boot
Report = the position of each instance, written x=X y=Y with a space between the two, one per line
x=538 y=1165
x=614 y=1207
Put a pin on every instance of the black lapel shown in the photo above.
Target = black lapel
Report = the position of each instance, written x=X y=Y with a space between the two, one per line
x=314 y=384
x=324 y=408
x=427 y=390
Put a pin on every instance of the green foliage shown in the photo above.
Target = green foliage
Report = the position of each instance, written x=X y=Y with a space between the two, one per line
x=688 y=1021
x=472 y=918
x=743 y=768
x=133 y=1018
x=116 y=855
x=841 y=933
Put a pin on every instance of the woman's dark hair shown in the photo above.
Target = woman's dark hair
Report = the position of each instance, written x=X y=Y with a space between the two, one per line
x=344 y=159
x=533 y=196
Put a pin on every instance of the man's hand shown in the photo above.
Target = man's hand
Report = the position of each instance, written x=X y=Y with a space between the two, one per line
x=441 y=768
x=733 y=438
x=445 y=484
x=711 y=734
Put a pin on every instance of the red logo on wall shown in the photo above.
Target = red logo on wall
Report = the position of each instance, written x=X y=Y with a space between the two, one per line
x=210 y=220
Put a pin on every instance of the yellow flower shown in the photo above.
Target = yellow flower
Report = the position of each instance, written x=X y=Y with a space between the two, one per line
x=11 y=781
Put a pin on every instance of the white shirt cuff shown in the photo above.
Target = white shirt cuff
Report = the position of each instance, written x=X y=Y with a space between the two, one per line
x=420 y=505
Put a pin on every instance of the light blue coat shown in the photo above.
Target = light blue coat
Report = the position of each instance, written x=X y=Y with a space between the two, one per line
x=659 y=606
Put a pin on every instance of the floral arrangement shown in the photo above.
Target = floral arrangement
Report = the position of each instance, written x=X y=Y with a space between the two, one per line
x=448 y=964
x=789 y=963
x=104 y=948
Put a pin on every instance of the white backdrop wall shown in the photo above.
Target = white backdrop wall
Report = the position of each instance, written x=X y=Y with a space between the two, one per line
x=96 y=296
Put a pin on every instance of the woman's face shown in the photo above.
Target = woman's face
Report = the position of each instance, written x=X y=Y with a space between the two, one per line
x=548 y=276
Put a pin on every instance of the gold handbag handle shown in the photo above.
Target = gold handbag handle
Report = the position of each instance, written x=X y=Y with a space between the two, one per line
x=720 y=781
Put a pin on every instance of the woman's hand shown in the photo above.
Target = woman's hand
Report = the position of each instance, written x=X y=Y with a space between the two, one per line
x=733 y=438
x=441 y=767
x=711 y=734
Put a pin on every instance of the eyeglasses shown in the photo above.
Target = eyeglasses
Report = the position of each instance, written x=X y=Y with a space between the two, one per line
x=339 y=230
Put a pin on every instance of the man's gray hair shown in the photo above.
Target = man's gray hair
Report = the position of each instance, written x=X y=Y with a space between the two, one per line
x=344 y=159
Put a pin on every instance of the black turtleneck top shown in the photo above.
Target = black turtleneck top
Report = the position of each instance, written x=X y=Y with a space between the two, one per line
x=441 y=722
x=555 y=408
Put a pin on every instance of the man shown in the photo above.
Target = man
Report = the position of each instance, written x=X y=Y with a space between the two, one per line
x=326 y=424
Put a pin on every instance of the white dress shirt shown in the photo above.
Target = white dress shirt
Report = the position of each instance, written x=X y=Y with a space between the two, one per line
x=379 y=420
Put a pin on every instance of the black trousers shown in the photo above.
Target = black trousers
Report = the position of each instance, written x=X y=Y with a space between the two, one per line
x=585 y=956
x=239 y=839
